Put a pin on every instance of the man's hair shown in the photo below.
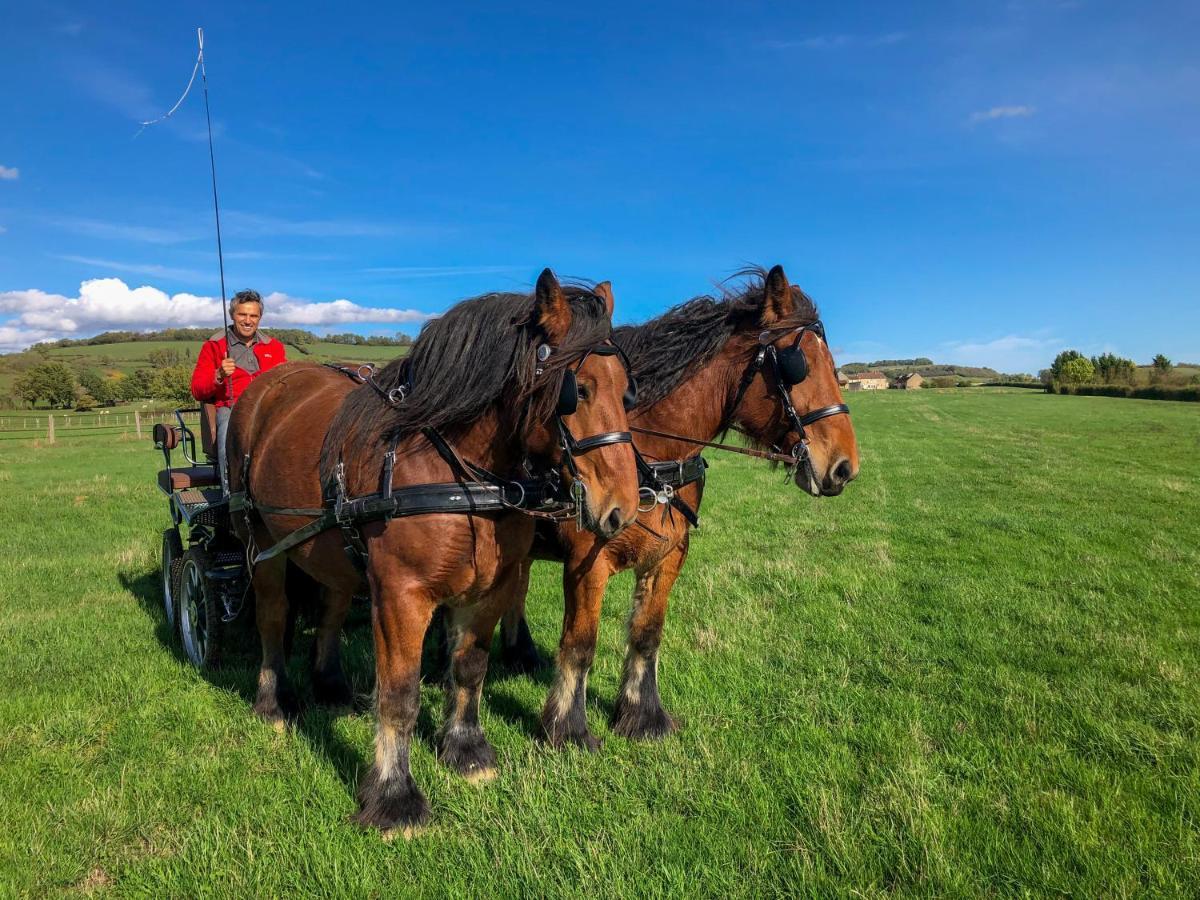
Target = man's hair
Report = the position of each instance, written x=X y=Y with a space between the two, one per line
x=246 y=296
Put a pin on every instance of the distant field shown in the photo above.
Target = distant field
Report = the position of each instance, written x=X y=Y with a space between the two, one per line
x=976 y=673
x=134 y=355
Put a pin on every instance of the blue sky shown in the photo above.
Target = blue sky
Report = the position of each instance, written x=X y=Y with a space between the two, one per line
x=978 y=183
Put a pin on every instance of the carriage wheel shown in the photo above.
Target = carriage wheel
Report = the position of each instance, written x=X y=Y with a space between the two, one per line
x=172 y=561
x=199 y=611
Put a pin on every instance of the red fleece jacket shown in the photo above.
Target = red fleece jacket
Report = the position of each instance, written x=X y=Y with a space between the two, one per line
x=206 y=389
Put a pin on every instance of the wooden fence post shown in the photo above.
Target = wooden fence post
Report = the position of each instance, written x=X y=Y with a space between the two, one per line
x=137 y=423
x=50 y=432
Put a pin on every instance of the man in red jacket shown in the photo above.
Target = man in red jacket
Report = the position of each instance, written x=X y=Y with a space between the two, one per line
x=230 y=360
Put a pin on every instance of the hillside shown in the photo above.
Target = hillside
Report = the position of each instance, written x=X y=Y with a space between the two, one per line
x=129 y=356
x=926 y=367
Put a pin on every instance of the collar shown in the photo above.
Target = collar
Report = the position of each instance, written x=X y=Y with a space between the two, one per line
x=259 y=338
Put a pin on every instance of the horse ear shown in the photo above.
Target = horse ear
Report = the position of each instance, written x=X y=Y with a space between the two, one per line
x=551 y=310
x=604 y=291
x=777 y=299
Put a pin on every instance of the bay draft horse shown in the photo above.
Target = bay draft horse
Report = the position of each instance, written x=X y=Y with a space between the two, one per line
x=691 y=366
x=487 y=377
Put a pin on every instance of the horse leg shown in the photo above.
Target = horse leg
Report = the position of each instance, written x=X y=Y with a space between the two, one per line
x=330 y=686
x=276 y=701
x=388 y=797
x=517 y=650
x=639 y=712
x=564 y=717
x=462 y=745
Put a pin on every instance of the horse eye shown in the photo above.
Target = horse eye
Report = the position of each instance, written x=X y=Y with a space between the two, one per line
x=584 y=393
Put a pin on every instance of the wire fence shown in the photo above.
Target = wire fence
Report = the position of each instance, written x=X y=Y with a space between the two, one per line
x=49 y=426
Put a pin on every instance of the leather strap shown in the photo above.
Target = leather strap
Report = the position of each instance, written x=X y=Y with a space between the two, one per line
x=601 y=440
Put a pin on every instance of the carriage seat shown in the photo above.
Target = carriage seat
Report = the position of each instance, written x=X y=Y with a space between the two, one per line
x=192 y=477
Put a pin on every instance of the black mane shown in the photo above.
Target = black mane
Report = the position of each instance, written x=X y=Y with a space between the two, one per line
x=462 y=363
x=667 y=349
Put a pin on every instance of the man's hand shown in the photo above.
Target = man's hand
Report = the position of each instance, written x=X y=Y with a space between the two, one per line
x=225 y=370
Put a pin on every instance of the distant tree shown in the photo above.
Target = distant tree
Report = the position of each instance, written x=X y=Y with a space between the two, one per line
x=83 y=399
x=53 y=382
x=138 y=386
x=100 y=388
x=1056 y=367
x=1078 y=370
x=1161 y=369
x=173 y=384
x=165 y=358
x=1046 y=376
x=1113 y=369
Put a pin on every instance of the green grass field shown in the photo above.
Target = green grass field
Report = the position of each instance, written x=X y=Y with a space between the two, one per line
x=975 y=673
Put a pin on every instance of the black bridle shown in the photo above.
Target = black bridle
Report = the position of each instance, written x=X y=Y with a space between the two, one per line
x=789 y=367
x=568 y=404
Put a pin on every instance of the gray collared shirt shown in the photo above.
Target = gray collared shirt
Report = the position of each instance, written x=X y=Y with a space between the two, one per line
x=242 y=352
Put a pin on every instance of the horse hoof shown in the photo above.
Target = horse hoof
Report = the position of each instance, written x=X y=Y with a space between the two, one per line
x=393 y=806
x=641 y=723
x=470 y=756
x=585 y=741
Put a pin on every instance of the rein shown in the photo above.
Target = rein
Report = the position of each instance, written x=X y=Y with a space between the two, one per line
x=789 y=370
x=769 y=455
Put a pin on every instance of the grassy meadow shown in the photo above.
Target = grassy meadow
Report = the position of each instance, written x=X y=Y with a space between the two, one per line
x=977 y=672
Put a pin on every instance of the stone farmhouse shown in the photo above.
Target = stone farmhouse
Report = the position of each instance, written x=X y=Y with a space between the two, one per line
x=867 y=381
x=908 y=382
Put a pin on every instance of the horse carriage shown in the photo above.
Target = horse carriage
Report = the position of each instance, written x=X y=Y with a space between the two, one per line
x=407 y=499
x=205 y=584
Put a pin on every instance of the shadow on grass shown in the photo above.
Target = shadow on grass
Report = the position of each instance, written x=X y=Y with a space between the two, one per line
x=238 y=674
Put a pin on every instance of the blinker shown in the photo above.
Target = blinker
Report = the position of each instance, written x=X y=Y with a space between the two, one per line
x=793 y=365
x=568 y=395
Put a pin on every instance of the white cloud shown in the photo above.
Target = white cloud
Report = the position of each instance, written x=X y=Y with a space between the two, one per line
x=109 y=303
x=1011 y=353
x=1002 y=112
x=7 y=174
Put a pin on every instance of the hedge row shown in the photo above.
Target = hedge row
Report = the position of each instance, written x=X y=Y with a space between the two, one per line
x=1153 y=392
x=1035 y=385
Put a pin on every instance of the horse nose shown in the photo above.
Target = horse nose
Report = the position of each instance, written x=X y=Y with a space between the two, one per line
x=843 y=472
x=612 y=524
x=838 y=477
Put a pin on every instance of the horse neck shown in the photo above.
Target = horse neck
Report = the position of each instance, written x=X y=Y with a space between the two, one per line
x=418 y=460
x=694 y=409
x=484 y=443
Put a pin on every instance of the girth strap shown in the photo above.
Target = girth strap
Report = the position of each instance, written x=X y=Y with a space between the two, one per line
x=416 y=500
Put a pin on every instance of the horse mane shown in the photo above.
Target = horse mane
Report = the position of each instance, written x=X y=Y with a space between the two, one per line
x=479 y=351
x=666 y=350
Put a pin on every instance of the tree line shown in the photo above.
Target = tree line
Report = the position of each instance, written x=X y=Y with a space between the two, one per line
x=1073 y=368
x=61 y=386
x=297 y=337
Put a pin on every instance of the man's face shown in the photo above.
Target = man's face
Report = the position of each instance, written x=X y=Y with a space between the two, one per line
x=245 y=320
